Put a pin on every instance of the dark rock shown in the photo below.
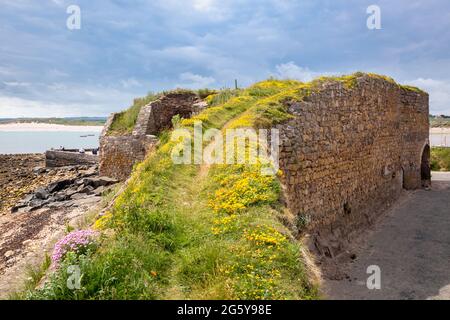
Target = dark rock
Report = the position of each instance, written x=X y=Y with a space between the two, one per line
x=99 y=182
x=86 y=190
x=39 y=170
x=99 y=191
x=41 y=194
x=37 y=203
x=59 y=197
x=16 y=209
x=79 y=196
x=59 y=185
x=70 y=192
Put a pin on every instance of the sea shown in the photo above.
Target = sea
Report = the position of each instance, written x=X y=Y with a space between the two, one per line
x=16 y=142
x=440 y=140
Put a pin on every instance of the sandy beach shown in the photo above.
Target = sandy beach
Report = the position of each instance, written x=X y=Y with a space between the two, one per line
x=45 y=127
x=440 y=130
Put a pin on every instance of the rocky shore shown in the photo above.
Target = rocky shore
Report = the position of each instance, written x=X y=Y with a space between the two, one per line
x=37 y=205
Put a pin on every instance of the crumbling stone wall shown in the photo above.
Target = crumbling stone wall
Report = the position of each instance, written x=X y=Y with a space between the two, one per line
x=347 y=155
x=118 y=154
x=157 y=116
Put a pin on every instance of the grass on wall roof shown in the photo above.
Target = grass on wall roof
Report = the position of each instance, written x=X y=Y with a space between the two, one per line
x=173 y=235
x=200 y=232
x=125 y=121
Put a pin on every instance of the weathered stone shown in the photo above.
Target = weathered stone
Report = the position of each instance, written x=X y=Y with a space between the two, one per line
x=99 y=191
x=59 y=185
x=42 y=194
x=118 y=154
x=341 y=168
x=99 y=182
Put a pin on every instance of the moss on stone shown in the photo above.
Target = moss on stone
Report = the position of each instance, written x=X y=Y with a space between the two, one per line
x=412 y=88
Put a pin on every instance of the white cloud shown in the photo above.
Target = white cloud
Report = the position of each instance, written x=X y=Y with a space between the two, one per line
x=195 y=81
x=12 y=107
x=203 y=5
x=292 y=71
x=15 y=84
x=439 y=91
x=130 y=82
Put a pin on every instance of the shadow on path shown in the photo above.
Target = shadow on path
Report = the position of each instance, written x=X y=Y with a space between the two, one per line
x=411 y=245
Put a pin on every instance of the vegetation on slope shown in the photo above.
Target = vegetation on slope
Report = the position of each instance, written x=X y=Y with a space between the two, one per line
x=199 y=232
x=175 y=236
x=124 y=121
x=440 y=159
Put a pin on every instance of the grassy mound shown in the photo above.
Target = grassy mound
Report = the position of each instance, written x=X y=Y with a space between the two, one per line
x=197 y=231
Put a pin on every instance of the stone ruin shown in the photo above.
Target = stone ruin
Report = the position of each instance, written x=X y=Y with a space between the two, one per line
x=347 y=155
x=119 y=153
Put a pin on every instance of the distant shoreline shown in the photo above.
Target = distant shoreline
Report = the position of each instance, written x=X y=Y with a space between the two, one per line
x=440 y=130
x=47 y=127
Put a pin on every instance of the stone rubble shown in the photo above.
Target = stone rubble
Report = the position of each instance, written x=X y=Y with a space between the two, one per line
x=87 y=187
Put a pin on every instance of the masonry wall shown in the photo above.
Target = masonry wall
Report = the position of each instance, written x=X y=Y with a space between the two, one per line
x=118 y=154
x=158 y=115
x=348 y=154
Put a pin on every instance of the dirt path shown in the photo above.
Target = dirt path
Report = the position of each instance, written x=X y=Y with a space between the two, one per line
x=411 y=245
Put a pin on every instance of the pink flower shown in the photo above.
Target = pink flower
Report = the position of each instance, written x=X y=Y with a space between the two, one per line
x=76 y=241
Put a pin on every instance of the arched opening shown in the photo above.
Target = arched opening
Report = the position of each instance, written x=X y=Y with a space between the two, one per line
x=425 y=169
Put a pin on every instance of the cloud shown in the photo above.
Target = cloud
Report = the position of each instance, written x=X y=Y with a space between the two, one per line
x=195 y=81
x=130 y=82
x=439 y=91
x=15 y=84
x=290 y=70
x=198 y=43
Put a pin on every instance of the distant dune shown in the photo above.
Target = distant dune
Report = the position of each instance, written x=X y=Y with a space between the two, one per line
x=74 y=121
x=35 y=127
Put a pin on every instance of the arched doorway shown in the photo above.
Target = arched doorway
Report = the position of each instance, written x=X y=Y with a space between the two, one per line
x=425 y=169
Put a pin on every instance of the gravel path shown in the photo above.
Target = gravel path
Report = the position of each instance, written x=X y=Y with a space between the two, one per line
x=411 y=245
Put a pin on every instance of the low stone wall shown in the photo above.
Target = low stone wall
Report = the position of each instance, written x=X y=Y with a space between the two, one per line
x=348 y=154
x=118 y=154
x=64 y=158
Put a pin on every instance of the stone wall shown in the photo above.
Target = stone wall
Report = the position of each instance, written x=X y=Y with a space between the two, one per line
x=348 y=154
x=118 y=154
x=157 y=116
x=55 y=159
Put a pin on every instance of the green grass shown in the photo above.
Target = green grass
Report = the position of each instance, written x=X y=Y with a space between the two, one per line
x=35 y=275
x=199 y=232
x=125 y=121
x=440 y=159
x=163 y=244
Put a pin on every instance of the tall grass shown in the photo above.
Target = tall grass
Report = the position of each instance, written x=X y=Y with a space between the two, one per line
x=440 y=159
x=125 y=121
x=164 y=238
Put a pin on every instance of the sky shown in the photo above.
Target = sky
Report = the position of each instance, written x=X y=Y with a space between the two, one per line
x=127 y=48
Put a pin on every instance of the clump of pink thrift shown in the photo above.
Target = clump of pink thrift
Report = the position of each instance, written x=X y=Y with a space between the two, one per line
x=76 y=241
